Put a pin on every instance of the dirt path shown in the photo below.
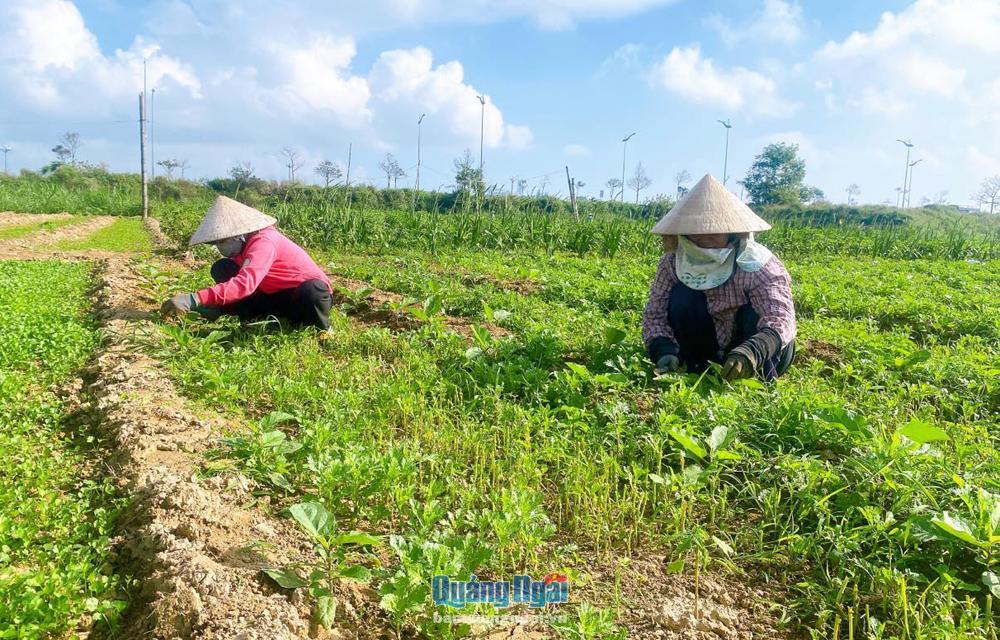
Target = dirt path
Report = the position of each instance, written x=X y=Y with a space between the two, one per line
x=39 y=241
x=377 y=308
x=10 y=218
x=195 y=553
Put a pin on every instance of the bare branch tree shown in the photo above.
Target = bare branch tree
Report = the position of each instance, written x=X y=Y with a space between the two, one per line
x=292 y=162
x=390 y=167
x=329 y=171
x=853 y=190
x=988 y=192
x=639 y=180
x=242 y=173
x=183 y=164
x=681 y=178
x=169 y=164
x=68 y=145
x=614 y=186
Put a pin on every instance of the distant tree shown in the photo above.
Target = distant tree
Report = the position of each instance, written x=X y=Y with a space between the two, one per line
x=681 y=178
x=580 y=184
x=242 y=173
x=292 y=162
x=390 y=167
x=777 y=176
x=522 y=186
x=169 y=164
x=468 y=177
x=853 y=190
x=68 y=145
x=988 y=192
x=639 y=180
x=184 y=164
x=941 y=197
x=329 y=171
x=614 y=186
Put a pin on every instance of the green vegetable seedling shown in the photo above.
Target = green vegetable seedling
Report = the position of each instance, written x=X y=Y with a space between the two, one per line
x=333 y=550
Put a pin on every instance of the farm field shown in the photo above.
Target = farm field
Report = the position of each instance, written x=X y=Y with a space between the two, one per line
x=486 y=412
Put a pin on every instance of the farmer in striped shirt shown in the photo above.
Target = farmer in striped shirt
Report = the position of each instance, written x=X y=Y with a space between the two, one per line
x=261 y=274
x=718 y=296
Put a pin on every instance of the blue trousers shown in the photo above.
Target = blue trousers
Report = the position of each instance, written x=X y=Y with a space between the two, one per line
x=694 y=333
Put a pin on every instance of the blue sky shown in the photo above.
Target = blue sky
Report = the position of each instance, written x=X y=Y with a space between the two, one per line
x=565 y=81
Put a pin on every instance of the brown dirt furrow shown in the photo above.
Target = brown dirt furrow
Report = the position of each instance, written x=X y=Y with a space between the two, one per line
x=193 y=550
x=37 y=241
x=377 y=308
x=10 y=218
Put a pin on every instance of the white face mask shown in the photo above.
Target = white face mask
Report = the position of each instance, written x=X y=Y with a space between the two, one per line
x=230 y=247
x=701 y=268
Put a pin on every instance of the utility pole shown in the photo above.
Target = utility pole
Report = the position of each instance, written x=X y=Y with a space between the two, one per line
x=624 y=147
x=906 y=172
x=152 y=134
x=419 y=120
x=142 y=154
x=725 y=161
x=482 y=124
x=347 y=180
x=6 y=149
x=908 y=194
x=572 y=195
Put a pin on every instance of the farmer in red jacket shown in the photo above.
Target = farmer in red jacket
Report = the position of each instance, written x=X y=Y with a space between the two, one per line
x=262 y=273
x=718 y=296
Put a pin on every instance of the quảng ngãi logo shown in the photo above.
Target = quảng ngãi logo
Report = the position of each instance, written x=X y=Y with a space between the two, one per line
x=552 y=589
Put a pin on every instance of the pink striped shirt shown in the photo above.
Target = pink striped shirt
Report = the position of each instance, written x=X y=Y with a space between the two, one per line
x=769 y=291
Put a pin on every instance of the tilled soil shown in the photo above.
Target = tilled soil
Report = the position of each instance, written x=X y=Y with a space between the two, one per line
x=195 y=553
x=9 y=218
x=37 y=241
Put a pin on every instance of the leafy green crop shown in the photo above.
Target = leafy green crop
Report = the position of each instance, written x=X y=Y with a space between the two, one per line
x=55 y=517
x=863 y=479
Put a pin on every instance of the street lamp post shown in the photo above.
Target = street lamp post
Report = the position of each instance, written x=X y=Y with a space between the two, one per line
x=6 y=149
x=624 y=147
x=725 y=161
x=482 y=124
x=908 y=192
x=419 y=120
x=906 y=173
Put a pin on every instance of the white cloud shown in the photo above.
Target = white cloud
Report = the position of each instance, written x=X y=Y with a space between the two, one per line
x=547 y=14
x=577 y=151
x=50 y=60
x=777 y=21
x=319 y=81
x=943 y=47
x=685 y=72
x=407 y=79
x=624 y=57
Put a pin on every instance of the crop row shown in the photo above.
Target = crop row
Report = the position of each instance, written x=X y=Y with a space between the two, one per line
x=56 y=513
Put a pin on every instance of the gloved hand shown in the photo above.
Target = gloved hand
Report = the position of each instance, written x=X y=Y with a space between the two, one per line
x=178 y=305
x=209 y=313
x=736 y=366
x=667 y=363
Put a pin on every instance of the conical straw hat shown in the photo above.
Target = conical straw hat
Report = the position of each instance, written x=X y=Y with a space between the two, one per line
x=228 y=218
x=709 y=207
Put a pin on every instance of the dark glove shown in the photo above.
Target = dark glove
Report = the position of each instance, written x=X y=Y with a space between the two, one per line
x=758 y=348
x=659 y=347
x=178 y=305
x=209 y=313
x=667 y=364
x=736 y=366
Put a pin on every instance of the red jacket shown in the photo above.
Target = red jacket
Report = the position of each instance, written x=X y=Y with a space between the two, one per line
x=269 y=262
